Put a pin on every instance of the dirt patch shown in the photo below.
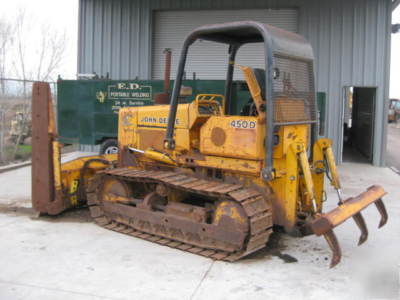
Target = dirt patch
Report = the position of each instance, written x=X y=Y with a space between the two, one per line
x=80 y=215
x=274 y=247
x=17 y=210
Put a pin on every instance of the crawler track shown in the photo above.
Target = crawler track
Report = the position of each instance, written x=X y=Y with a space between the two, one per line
x=194 y=237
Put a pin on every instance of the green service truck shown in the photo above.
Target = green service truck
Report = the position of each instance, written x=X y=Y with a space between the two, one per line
x=87 y=110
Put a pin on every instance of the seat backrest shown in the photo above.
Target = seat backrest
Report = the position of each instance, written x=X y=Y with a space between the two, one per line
x=260 y=76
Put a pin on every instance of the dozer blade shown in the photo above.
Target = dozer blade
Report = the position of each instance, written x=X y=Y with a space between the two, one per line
x=45 y=199
x=324 y=223
x=55 y=186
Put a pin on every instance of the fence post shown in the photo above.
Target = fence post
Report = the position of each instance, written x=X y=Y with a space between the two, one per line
x=15 y=96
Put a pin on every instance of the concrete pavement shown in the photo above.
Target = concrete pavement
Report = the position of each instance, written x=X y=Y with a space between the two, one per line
x=393 y=146
x=68 y=257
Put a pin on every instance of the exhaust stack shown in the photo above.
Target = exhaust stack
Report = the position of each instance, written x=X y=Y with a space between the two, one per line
x=163 y=98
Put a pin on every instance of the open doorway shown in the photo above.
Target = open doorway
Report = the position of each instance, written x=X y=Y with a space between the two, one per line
x=358 y=124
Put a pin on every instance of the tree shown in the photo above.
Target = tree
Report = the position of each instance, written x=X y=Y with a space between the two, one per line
x=35 y=52
x=5 y=43
x=39 y=49
x=51 y=54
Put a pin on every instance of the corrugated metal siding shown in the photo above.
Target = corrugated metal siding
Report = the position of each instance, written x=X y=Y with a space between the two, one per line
x=208 y=59
x=350 y=38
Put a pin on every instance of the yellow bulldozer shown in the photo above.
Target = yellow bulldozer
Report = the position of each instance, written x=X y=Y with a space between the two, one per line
x=199 y=178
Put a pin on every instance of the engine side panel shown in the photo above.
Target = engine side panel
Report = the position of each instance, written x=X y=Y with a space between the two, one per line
x=233 y=136
x=144 y=128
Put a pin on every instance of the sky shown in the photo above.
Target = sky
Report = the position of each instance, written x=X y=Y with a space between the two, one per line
x=63 y=15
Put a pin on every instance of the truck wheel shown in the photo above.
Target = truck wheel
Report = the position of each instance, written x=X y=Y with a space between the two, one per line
x=109 y=146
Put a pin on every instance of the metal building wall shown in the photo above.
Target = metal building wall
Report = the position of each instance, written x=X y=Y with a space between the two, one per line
x=351 y=41
x=206 y=58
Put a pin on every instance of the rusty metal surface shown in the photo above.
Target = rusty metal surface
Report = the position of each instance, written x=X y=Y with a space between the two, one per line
x=229 y=239
x=150 y=138
x=126 y=158
x=198 y=214
x=350 y=208
x=163 y=98
x=218 y=136
x=241 y=32
x=333 y=243
x=42 y=176
x=382 y=211
x=44 y=198
x=359 y=219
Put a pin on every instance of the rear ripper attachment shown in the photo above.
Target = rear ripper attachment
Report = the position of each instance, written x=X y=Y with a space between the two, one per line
x=324 y=223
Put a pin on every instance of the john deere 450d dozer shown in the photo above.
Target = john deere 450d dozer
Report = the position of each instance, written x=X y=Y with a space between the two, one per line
x=197 y=177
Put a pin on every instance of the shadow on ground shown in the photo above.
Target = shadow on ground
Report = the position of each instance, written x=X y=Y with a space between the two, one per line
x=275 y=247
x=80 y=215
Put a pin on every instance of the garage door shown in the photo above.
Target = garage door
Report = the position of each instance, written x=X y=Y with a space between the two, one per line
x=209 y=60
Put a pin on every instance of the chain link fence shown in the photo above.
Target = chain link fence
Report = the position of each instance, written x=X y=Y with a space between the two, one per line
x=15 y=119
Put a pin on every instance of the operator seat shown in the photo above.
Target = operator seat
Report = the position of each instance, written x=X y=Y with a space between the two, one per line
x=249 y=109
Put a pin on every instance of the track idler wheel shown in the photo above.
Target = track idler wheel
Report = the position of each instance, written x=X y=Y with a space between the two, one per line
x=115 y=190
x=229 y=214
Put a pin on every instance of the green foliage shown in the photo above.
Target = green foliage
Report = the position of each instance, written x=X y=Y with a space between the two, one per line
x=23 y=152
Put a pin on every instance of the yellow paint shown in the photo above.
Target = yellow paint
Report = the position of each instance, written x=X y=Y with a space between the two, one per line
x=72 y=190
x=52 y=121
x=319 y=169
x=307 y=177
x=288 y=135
x=233 y=136
x=216 y=101
x=332 y=168
x=207 y=138
x=159 y=156
x=69 y=173
x=229 y=209
x=255 y=89
x=157 y=116
x=289 y=187
x=350 y=208
x=226 y=163
x=57 y=166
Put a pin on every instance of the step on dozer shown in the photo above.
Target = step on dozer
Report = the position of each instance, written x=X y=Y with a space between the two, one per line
x=207 y=177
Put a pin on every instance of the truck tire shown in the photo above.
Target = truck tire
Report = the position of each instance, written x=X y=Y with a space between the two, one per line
x=109 y=146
